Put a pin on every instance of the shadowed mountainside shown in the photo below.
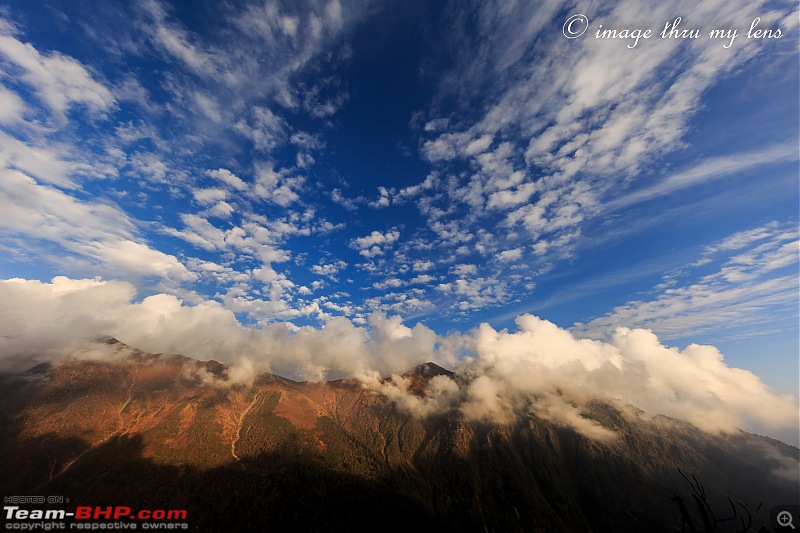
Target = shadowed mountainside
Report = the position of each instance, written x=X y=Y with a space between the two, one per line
x=155 y=431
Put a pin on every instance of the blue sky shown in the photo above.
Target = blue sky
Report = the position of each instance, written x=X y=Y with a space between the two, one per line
x=450 y=163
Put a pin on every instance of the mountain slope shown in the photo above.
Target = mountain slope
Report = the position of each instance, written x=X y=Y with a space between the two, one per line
x=157 y=431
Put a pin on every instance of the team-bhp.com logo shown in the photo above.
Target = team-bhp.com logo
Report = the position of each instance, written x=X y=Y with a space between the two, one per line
x=83 y=512
x=90 y=517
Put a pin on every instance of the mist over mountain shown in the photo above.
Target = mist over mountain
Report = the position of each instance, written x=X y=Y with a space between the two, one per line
x=538 y=367
x=113 y=425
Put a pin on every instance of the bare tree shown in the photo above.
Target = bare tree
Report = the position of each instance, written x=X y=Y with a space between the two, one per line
x=708 y=519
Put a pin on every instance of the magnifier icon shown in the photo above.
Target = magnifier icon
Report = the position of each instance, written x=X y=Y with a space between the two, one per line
x=785 y=519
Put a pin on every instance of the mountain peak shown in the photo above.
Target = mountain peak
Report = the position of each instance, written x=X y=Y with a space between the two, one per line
x=428 y=370
x=420 y=375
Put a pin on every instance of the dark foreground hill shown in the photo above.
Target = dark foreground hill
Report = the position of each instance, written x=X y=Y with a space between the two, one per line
x=147 y=432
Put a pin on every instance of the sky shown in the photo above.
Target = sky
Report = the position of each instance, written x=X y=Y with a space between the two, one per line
x=402 y=171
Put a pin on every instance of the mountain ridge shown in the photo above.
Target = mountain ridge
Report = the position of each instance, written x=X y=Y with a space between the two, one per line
x=82 y=426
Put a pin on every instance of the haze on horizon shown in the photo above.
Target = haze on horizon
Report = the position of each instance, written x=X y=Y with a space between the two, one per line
x=344 y=188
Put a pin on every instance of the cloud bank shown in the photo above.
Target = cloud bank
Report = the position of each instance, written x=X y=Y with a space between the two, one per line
x=539 y=367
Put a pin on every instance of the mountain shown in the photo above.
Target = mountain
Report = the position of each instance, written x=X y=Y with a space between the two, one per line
x=160 y=432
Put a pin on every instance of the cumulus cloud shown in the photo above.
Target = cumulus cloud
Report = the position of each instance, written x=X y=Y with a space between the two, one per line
x=46 y=321
x=209 y=196
x=538 y=368
x=375 y=243
x=422 y=265
x=542 y=360
x=509 y=255
x=348 y=203
x=543 y=369
x=229 y=178
x=329 y=270
x=465 y=270
x=384 y=198
x=476 y=293
x=277 y=187
x=440 y=395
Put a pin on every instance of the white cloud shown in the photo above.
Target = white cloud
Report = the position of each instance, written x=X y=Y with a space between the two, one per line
x=710 y=169
x=136 y=259
x=226 y=176
x=465 y=270
x=348 y=203
x=60 y=81
x=51 y=319
x=479 y=145
x=307 y=141
x=539 y=368
x=11 y=107
x=265 y=129
x=507 y=256
x=260 y=240
x=277 y=187
x=318 y=106
x=475 y=292
x=291 y=40
x=422 y=265
x=221 y=209
x=151 y=167
x=96 y=233
x=383 y=200
x=694 y=385
x=441 y=148
x=46 y=162
x=413 y=191
x=329 y=270
x=543 y=369
x=541 y=247
x=371 y=252
x=743 y=238
x=511 y=197
x=746 y=292
x=436 y=124
x=392 y=283
x=209 y=196
x=176 y=41
x=375 y=243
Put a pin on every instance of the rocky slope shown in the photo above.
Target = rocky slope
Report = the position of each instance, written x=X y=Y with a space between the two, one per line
x=157 y=431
